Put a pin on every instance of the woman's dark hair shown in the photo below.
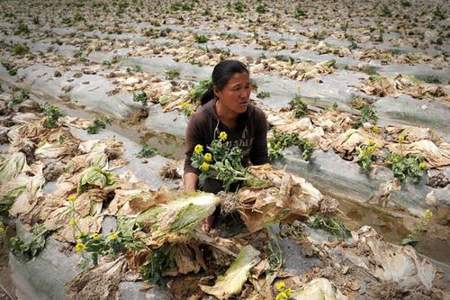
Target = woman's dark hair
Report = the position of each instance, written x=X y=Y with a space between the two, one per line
x=221 y=74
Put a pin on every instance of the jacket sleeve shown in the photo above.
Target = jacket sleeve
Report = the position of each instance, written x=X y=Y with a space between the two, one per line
x=194 y=136
x=258 y=153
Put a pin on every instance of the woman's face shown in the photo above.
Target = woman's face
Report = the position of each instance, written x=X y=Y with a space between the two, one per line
x=236 y=93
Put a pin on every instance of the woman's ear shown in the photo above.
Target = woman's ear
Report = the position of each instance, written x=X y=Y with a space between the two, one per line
x=217 y=93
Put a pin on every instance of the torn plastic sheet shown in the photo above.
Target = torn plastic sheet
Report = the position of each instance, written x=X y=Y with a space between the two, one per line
x=387 y=261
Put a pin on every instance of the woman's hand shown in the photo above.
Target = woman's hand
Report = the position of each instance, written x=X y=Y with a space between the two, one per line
x=207 y=223
x=190 y=182
x=190 y=185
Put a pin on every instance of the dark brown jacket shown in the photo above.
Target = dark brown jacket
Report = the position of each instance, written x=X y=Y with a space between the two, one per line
x=250 y=135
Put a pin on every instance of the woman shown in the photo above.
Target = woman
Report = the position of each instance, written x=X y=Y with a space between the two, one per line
x=226 y=108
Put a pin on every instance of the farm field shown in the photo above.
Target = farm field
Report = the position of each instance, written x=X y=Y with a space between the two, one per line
x=95 y=97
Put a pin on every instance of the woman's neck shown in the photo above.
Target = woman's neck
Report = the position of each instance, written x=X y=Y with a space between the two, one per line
x=225 y=115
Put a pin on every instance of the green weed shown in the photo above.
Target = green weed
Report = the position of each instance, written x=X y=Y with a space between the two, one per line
x=140 y=96
x=281 y=140
x=239 y=6
x=10 y=67
x=98 y=125
x=182 y=6
x=405 y=3
x=187 y=108
x=19 y=97
x=92 y=246
x=298 y=106
x=200 y=38
x=196 y=93
x=439 y=13
x=19 y=49
x=22 y=28
x=331 y=225
x=133 y=69
x=25 y=250
x=385 y=11
x=52 y=114
x=147 y=151
x=408 y=166
x=172 y=74
x=368 y=114
x=262 y=95
x=261 y=8
x=158 y=261
x=366 y=155
x=299 y=12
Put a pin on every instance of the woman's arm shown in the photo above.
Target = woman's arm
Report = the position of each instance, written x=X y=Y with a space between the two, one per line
x=258 y=153
x=194 y=136
x=190 y=181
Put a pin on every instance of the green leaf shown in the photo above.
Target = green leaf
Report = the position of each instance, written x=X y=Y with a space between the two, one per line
x=403 y=167
x=158 y=261
x=200 y=38
x=98 y=125
x=28 y=248
x=298 y=106
x=282 y=140
x=140 y=96
x=147 y=151
x=52 y=114
x=197 y=92
x=366 y=155
x=331 y=225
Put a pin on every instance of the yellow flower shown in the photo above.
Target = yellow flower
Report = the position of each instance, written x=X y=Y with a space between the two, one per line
x=376 y=129
x=95 y=236
x=72 y=222
x=280 y=285
x=285 y=294
x=198 y=149
x=288 y=293
x=72 y=197
x=2 y=228
x=423 y=166
x=80 y=247
x=428 y=214
x=113 y=236
x=223 y=136
x=282 y=296
x=204 y=167
x=402 y=137
x=208 y=157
